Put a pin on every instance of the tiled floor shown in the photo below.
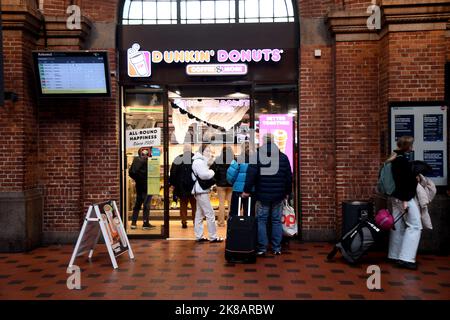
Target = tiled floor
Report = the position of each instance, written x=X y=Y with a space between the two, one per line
x=186 y=270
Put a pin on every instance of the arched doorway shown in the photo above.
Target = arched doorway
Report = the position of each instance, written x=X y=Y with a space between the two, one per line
x=182 y=60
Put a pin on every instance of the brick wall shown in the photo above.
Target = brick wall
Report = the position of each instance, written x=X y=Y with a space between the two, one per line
x=79 y=141
x=357 y=121
x=71 y=149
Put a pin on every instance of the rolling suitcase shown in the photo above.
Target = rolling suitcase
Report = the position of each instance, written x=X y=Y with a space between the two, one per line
x=242 y=235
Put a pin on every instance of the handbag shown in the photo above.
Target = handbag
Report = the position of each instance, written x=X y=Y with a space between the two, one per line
x=289 y=220
x=205 y=184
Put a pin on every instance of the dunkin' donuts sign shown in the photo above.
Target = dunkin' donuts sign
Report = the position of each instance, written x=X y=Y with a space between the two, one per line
x=230 y=62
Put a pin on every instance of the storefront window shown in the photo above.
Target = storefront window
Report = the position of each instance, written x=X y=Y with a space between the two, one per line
x=144 y=192
x=206 y=11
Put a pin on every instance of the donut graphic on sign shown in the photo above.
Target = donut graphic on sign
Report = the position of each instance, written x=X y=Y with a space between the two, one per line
x=139 y=62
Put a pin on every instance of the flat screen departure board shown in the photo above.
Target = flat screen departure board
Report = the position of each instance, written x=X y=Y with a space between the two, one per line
x=68 y=74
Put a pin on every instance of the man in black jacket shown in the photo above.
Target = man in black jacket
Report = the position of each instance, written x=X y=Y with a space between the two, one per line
x=271 y=176
x=138 y=172
x=181 y=180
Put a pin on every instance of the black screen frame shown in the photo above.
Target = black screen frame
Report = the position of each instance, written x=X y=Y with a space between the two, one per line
x=104 y=54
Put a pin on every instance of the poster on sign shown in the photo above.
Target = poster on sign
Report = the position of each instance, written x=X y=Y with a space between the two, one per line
x=143 y=137
x=428 y=125
x=281 y=127
x=102 y=219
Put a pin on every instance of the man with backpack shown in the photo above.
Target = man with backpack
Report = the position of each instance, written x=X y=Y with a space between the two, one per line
x=181 y=179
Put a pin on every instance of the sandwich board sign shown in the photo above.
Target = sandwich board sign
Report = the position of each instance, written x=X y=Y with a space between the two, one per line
x=102 y=219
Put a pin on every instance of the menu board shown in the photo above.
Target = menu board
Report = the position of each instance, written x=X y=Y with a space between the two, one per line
x=428 y=126
x=115 y=234
x=281 y=127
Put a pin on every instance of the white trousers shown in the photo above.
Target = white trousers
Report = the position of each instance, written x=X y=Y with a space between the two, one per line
x=404 y=240
x=204 y=210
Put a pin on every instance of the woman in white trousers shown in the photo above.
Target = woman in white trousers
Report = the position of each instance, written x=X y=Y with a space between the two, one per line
x=404 y=240
x=200 y=168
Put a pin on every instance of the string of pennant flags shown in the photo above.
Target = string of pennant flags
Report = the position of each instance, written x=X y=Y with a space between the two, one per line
x=191 y=116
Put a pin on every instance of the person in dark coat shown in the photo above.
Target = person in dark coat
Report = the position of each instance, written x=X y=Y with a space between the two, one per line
x=271 y=176
x=181 y=181
x=224 y=188
x=138 y=172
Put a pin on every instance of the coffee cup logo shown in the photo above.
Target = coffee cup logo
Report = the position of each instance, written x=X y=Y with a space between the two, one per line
x=139 y=62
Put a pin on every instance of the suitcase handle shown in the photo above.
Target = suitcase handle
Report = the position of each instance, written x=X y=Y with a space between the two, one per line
x=249 y=206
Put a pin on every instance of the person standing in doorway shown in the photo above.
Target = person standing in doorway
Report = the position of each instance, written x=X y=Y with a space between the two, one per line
x=224 y=188
x=138 y=172
x=201 y=173
x=271 y=177
x=181 y=180
x=236 y=175
x=404 y=239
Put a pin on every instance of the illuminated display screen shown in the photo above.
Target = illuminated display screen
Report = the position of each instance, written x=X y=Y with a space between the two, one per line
x=72 y=73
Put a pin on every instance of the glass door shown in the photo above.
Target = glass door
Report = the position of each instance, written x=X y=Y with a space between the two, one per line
x=215 y=115
x=144 y=172
x=276 y=112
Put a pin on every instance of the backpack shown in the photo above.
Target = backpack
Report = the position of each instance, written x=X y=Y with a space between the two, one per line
x=386 y=183
x=185 y=176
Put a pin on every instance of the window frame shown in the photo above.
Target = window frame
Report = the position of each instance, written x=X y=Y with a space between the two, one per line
x=180 y=16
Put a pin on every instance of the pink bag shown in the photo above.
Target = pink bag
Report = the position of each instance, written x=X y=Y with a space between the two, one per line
x=384 y=219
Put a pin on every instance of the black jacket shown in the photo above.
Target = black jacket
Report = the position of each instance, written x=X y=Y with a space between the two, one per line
x=180 y=175
x=404 y=177
x=220 y=168
x=139 y=171
x=270 y=187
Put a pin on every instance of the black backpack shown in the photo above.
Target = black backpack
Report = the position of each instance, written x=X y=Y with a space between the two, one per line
x=185 y=176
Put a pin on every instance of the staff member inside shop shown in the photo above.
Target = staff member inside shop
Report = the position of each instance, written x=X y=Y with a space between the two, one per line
x=138 y=172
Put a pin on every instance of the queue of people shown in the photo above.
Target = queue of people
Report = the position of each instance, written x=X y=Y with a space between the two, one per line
x=265 y=175
x=235 y=177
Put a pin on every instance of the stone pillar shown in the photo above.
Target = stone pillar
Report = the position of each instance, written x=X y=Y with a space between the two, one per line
x=21 y=202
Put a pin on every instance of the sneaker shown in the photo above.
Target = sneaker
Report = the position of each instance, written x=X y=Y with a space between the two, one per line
x=277 y=253
x=407 y=265
x=260 y=253
x=216 y=240
x=133 y=225
x=148 y=226
x=201 y=240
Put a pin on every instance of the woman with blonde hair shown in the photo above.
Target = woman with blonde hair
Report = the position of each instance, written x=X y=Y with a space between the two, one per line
x=404 y=239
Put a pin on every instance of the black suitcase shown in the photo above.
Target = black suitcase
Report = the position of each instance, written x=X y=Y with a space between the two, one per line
x=355 y=243
x=242 y=236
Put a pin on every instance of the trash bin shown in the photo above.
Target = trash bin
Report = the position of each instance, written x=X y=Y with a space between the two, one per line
x=352 y=210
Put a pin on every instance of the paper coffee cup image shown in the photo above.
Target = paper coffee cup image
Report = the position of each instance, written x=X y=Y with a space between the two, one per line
x=280 y=138
x=137 y=59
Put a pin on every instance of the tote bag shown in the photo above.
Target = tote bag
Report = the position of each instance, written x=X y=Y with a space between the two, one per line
x=289 y=220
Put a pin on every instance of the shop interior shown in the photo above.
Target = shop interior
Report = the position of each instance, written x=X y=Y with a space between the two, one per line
x=216 y=115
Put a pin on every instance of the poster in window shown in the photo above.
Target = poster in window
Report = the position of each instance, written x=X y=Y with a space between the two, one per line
x=433 y=127
x=153 y=176
x=435 y=159
x=404 y=125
